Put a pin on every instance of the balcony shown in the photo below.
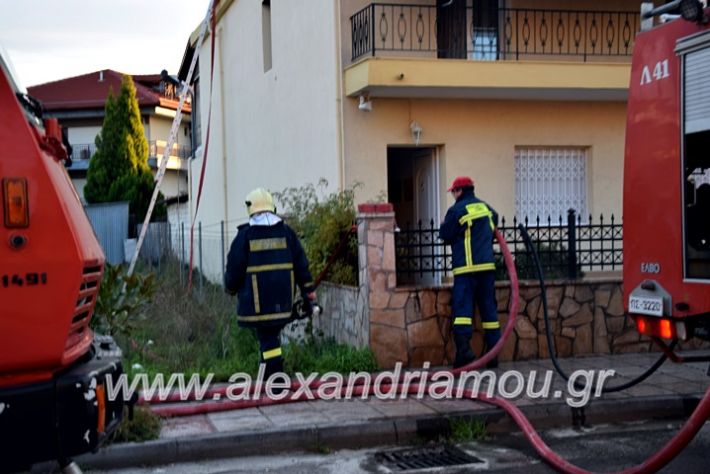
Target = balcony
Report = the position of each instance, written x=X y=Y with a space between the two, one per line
x=402 y=50
x=512 y=34
x=82 y=153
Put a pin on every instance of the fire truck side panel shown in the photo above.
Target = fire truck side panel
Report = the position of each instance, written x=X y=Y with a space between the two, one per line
x=653 y=204
x=44 y=314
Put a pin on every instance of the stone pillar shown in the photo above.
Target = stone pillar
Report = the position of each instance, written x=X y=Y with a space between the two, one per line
x=378 y=281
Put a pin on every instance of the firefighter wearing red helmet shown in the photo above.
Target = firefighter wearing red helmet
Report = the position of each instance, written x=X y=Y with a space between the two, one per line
x=266 y=265
x=468 y=228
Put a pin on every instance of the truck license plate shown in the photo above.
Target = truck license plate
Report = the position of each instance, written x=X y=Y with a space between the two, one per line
x=646 y=305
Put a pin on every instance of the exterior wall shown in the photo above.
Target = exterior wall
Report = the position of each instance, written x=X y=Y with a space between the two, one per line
x=274 y=129
x=158 y=128
x=351 y=6
x=478 y=138
x=83 y=134
x=592 y=5
x=79 y=184
x=174 y=183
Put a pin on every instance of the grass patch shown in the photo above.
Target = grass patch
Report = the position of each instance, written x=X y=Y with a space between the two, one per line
x=466 y=429
x=144 y=426
x=198 y=333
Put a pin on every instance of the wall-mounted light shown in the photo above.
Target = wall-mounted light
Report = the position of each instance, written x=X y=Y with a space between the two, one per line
x=365 y=103
x=416 y=131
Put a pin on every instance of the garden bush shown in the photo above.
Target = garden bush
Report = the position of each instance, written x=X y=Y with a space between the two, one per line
x=321 y=224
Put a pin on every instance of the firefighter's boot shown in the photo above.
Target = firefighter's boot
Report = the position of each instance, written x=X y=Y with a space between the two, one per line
x=464 y=354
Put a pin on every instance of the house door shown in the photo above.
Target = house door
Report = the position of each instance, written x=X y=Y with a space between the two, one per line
x=451 y=29
x=413 y=190
x=425 y=185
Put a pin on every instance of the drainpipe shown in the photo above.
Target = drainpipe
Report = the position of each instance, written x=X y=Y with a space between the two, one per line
x=339 y=96
x=224 y=125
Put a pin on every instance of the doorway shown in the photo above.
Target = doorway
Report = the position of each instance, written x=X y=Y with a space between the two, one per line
x=451 y=29
x=413 y=190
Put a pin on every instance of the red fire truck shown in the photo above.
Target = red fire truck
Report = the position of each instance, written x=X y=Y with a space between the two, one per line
x=667 y=177
x=53 y=402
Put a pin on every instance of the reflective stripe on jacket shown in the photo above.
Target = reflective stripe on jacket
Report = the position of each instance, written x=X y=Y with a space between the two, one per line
x=265 y=266
x=468 y=227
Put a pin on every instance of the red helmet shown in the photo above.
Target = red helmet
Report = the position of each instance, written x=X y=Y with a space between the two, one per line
x=461 y=182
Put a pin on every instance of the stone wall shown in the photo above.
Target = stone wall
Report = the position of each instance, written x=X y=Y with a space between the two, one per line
x=343 y=318
x=586 y=317
x=412 y=325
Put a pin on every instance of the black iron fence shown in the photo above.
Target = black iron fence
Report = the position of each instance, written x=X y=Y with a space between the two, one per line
x=508 y=33
x=567 y=248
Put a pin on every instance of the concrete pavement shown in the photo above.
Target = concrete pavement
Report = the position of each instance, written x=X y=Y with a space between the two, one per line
x=672 y=391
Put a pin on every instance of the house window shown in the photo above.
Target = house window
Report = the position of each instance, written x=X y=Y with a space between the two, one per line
x=266 y=33
x=484 y=33
x=549 y=181
x=196 y=140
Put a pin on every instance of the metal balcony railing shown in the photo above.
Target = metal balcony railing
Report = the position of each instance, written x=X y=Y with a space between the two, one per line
x=82 y=153
x=511 y=34
x=156 y=148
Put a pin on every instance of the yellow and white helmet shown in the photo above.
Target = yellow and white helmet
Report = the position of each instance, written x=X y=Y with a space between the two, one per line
x=259 y=200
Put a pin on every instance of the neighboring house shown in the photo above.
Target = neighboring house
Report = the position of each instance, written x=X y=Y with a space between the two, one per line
x=78 y=102
x=526 y=97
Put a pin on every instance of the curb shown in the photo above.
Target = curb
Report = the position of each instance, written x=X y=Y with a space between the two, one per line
x=372 y=433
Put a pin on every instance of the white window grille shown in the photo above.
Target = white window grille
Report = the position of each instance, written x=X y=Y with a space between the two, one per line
x=549 y=181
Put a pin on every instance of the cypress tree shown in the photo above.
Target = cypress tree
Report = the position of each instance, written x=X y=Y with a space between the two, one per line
x=119 y=169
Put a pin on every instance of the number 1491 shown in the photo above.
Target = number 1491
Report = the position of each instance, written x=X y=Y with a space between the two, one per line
x=28 y=279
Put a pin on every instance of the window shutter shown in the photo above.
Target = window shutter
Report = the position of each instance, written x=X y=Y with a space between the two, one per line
x=697 y=91
x=549 y=181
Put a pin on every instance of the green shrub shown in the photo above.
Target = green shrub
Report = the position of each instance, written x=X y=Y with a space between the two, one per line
x=144 y=426
x=321 y=224
x=117 y=312
x=466 y=429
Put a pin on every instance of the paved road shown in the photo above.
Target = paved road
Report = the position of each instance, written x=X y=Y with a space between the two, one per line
x=601 y=449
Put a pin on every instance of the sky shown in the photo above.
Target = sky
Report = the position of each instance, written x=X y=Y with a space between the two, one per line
x=49 y=40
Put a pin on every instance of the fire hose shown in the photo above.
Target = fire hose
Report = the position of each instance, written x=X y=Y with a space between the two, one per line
x=548 y=332
x=672 y=448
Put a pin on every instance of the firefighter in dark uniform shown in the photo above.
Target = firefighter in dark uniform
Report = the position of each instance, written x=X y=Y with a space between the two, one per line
x=266 y=265
x=468 y=227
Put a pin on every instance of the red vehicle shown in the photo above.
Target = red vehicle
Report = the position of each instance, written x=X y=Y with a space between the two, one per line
x=52 y=369
x=667 y=178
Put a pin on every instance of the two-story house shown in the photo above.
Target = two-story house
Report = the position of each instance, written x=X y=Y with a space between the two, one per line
x=526 y=97
x=78 y=102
